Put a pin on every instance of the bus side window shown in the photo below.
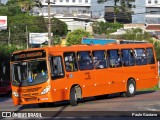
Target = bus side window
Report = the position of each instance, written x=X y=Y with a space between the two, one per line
x=56 y=67
x=99 y=59
x=127 y=57
x=70 y=61
x=84 y=60
x=150 y=56
x=140 y=56
x=114 y=58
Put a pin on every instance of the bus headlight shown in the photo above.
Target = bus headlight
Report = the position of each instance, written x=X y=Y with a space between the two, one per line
x=46 y=90
x=15 y=94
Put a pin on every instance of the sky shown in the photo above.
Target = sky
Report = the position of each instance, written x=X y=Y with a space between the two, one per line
x=4 y=1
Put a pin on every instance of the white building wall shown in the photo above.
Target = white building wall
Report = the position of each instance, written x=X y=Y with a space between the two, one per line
x=68 y=3
x=146 y=11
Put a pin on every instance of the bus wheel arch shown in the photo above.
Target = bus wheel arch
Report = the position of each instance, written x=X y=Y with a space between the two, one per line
x=75 y=94
x=130 y=88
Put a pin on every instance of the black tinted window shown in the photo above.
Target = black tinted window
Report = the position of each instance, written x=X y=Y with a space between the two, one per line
x=84 y=60
x=114 y=58
x=99 y=59
x=128 y=57
x=70 y=62
x=150 y=56
x=140 y=56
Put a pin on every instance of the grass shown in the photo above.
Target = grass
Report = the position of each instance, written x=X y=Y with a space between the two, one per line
x=153 y=88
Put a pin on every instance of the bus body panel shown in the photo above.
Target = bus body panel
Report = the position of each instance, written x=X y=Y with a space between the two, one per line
x=92 y=82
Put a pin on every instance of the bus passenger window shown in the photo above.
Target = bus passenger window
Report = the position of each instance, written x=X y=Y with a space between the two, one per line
x=99 y=59
x=114 y=58
x=127 y=57
x=56 y=67
x=84 y=60
x=140 y=56
x=150 y=56
x=70 y=61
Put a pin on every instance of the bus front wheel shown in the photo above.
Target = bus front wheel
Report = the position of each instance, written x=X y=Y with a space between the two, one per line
x=131 y=89
x=73 y=97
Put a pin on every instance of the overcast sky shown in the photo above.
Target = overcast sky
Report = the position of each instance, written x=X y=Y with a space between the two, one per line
x=3 y=1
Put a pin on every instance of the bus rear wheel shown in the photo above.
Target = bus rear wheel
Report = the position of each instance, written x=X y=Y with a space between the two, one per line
x=131 y=89
x=73 y=97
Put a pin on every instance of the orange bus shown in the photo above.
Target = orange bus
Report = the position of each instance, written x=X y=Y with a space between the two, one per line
x=58 y=73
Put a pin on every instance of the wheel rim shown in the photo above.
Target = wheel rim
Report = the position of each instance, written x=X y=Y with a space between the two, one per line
x=131 y=88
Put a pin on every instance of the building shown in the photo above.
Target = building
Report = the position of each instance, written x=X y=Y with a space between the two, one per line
x=123 y=17
x=147 y=12
x=75 y=13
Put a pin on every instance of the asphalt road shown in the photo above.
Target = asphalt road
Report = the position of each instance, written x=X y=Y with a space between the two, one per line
x=144 y=104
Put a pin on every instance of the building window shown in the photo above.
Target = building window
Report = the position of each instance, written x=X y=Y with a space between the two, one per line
x=80 y=1
x=74 y=1
x=61 y=0
x=149 y=1
x=86 y=1
x=67 y=0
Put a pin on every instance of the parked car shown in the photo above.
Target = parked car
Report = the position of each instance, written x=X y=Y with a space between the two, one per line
x=5 y=88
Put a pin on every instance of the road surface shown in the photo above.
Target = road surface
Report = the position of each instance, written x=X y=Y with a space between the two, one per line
x=144 y=104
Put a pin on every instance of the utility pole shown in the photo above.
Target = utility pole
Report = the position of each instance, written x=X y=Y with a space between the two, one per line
x=9 y=35
x=27 y=41
x=49 y=22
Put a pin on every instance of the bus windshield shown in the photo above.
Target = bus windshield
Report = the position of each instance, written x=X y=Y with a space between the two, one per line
x=29 y=73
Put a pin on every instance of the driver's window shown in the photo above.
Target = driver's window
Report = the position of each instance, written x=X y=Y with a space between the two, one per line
x=57 y=67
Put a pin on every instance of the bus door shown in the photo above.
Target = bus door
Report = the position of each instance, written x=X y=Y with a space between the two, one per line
x=58 y=81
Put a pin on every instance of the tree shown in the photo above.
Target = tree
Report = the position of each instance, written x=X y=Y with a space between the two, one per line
x=17 y=26
x=59 y=27
x=26 y=6
x=76 y=36
x=136 y=34
x=124 y=6
x=105 y=27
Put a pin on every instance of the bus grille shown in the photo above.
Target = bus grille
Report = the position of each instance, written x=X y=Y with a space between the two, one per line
x=29 y=90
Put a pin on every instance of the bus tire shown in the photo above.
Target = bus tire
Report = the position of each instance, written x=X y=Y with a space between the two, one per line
x=131 y=89
x=42 y=105
x=73 y=97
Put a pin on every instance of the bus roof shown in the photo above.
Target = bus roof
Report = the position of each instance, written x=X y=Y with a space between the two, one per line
x=59 y=48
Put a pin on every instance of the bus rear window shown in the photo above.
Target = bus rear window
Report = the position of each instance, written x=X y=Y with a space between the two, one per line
x=150 y=56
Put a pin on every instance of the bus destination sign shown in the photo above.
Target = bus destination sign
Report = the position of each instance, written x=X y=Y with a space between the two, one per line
x=28 y=55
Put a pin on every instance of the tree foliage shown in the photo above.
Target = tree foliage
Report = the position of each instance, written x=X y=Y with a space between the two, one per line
x=136 y=34
x=59 y=27
x=18 y=21
x=76 y=36
x=26 y=6
x=5 y=53
x=105 y=27
x=156 y=47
